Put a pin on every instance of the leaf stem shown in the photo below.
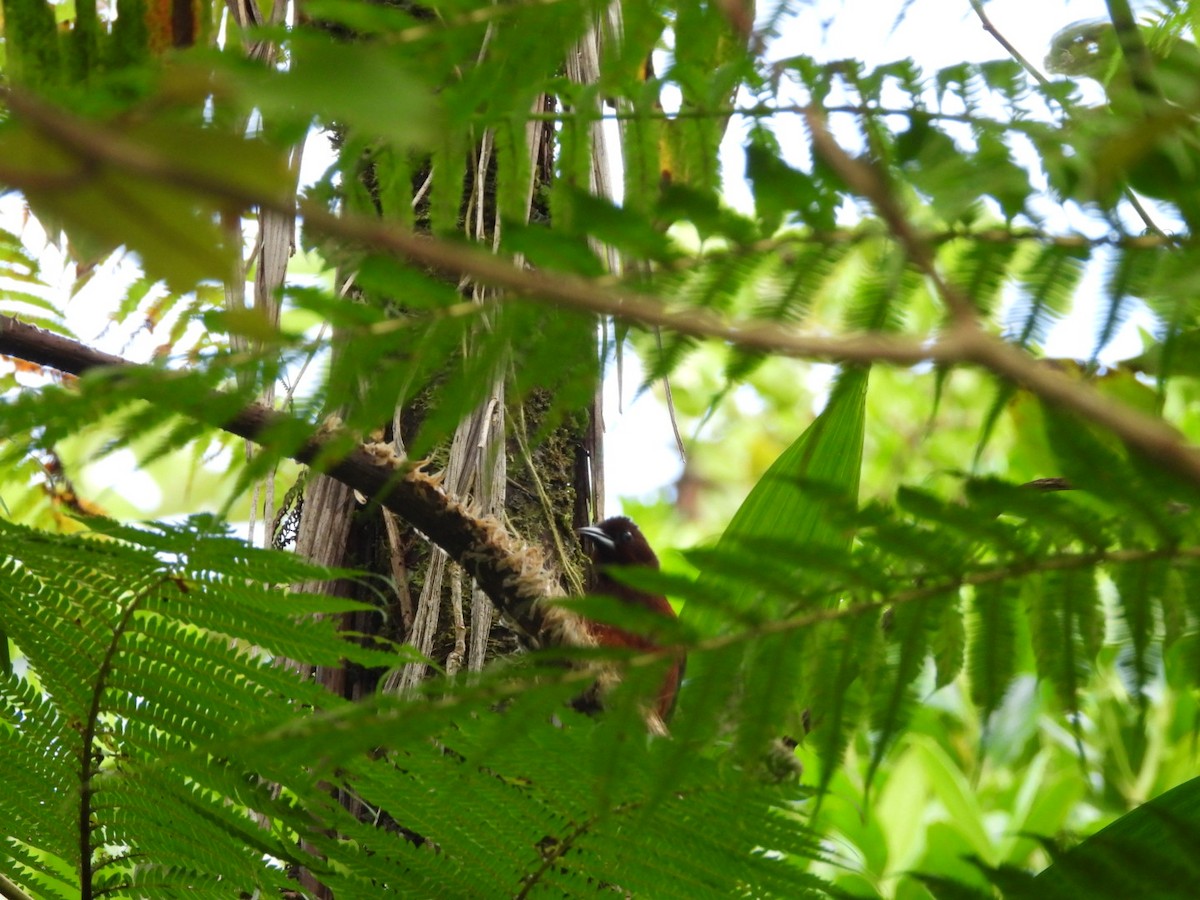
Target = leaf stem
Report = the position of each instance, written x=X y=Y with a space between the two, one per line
x=88 y=764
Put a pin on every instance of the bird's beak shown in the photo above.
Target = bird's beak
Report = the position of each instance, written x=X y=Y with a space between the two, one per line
x=594 y=532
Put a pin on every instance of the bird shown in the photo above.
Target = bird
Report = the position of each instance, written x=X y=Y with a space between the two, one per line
x=618 y=541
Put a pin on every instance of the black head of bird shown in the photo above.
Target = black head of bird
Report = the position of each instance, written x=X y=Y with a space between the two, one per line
x=619 y=542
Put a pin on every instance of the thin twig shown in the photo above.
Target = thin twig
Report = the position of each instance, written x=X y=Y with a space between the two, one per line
x=928 y=591
x=1004 y=42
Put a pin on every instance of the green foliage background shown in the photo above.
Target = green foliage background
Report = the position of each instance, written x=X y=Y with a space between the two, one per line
x=976 y=671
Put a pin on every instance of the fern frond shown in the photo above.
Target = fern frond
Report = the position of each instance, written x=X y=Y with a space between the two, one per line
x=1116 y=300
x=948 y=643
x=836 y=686
x=992 y=652
x=1140 y=589
x=1052 y=518
x=1092 y=461
x=1064 y=622
x=884 y=292
x=1046 y=288
x=980 y=271
x=130 y=680
x=908 y=631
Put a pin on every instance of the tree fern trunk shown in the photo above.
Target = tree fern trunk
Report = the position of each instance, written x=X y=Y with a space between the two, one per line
x=541 y=483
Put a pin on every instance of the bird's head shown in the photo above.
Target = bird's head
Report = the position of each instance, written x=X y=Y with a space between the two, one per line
x=617 y=541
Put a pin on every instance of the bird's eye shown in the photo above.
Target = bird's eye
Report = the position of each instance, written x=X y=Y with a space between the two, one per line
x=626 y=537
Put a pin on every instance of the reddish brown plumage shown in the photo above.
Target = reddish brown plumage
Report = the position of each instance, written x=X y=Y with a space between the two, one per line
x=617 y=541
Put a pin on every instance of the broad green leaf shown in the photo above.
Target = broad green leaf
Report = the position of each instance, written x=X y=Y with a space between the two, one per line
x=1149 y=852
x=765 y=674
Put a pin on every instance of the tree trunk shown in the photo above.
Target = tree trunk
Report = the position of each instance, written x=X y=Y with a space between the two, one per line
x=541 y=491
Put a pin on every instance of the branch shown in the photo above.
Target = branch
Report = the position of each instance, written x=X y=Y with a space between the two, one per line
x=509 y=571
x=964 y=342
